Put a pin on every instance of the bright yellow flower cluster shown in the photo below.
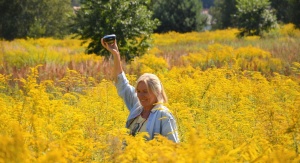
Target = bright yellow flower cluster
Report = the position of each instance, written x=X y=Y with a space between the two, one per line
x=289 y=30
x=223 y=115
x=192 y=37
x=227 y=105
x=247 y=58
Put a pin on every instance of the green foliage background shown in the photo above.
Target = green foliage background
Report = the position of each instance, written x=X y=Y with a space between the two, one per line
x=34 y=18
x=178 y=15
x=255 y=17
x=225 y=11
x=130 y=20
x=134 y=21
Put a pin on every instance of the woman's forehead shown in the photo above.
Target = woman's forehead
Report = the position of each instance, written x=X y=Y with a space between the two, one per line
x=142 y=85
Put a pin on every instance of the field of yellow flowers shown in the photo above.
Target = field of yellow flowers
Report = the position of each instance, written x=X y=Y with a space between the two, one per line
x=235 y=100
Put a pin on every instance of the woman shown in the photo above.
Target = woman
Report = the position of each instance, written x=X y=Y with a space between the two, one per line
x=145 y=101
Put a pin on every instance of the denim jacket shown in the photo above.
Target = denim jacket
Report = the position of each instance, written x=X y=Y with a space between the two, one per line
x=160 y=120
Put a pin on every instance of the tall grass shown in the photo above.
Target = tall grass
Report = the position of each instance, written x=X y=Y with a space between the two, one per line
x=57 y=56
x=282 y=43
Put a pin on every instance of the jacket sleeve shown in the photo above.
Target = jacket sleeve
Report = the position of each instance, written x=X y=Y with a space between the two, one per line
x=169 y=128
x=126 y=92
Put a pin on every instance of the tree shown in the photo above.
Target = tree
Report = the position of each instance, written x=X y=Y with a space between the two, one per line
x=223 y=13
x=254 y=17
x=178 y=15
x=207 y=3
x=282 y=8
x=294 y=14
x=130 y=20
x=287 y=11
x=14 y=19
x=51 y=18
x=75 y=2
x=34 y=18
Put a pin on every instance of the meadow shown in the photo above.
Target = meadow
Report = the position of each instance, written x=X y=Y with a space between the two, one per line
x=234 y=99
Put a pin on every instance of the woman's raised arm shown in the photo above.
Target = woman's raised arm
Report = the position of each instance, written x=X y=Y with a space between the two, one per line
x=125 y=90
x=113 y=49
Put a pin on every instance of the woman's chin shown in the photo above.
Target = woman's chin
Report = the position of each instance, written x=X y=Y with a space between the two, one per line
x=145 y=104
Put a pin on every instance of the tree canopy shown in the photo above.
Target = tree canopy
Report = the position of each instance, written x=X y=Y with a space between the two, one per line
x=34 y=18
x=130 y=20
x=223 y=13
x=254 y=17
x=178 y=15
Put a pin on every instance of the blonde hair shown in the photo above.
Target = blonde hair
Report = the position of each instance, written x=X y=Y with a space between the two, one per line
x=153 y=84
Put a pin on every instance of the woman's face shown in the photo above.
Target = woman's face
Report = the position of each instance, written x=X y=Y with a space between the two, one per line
x=147 y=98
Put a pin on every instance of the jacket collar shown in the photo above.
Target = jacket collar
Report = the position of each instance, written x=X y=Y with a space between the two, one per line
x=158 y=106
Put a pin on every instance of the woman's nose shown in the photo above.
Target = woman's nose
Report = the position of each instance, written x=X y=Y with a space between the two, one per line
x=141 y=94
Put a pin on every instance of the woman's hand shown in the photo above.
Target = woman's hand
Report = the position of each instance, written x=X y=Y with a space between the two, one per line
x=112 y=48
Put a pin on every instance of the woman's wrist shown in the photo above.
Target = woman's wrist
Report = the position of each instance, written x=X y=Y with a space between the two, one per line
x=115 y=53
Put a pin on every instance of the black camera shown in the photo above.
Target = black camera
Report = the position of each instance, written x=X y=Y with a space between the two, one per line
x=110 y=39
